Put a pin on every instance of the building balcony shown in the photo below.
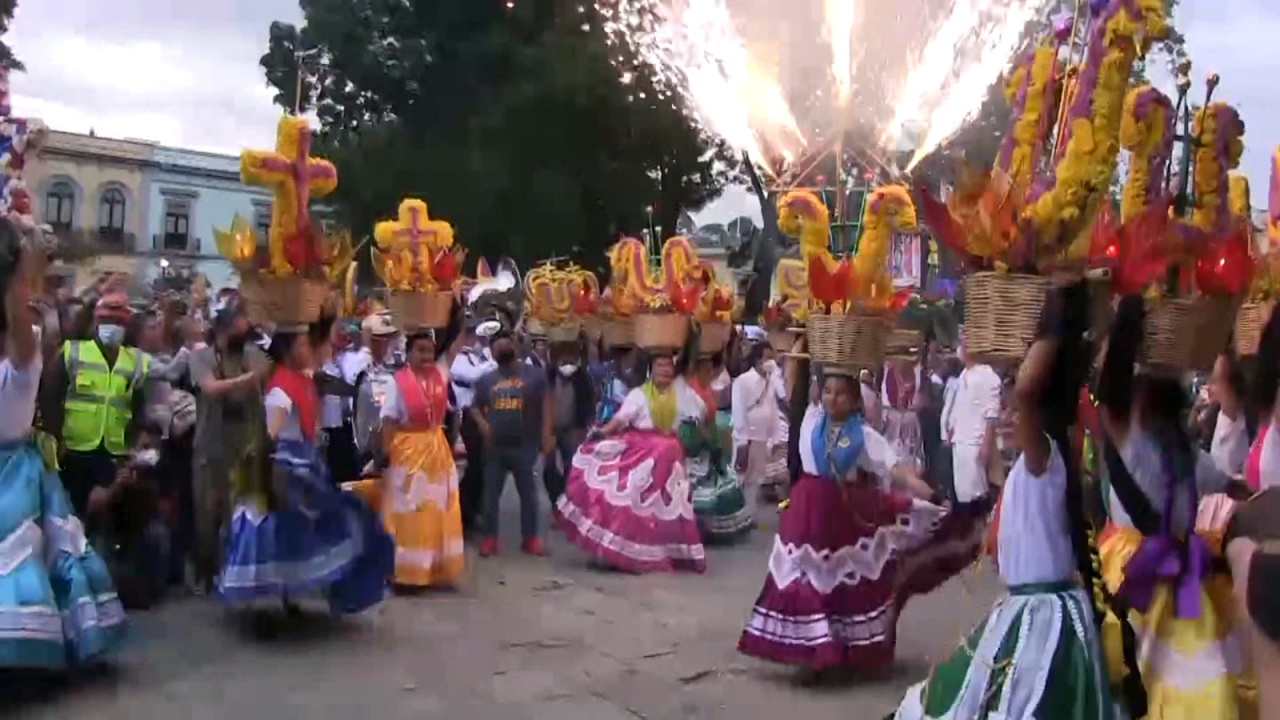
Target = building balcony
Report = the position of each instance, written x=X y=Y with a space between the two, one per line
x=80 y=243
x=175 y=243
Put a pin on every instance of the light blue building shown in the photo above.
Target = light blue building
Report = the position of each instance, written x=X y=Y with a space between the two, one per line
x=189 y=193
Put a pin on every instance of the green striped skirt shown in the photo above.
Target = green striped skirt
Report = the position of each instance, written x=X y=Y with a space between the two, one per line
x=1036 y=655
x=718 y=500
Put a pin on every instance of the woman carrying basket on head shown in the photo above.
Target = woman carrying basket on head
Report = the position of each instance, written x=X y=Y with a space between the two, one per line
x=858 y=538
x=420 y=488
x=299 y=534
x=627 y=500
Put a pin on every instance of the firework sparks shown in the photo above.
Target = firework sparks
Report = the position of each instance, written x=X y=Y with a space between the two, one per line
x=840 y=18
x=965 y=56
x=899 y=67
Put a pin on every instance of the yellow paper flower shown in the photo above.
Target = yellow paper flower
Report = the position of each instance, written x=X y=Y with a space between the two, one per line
x=889 y=209
x=1146 y=131
x=238 y=245
x=1083 y=175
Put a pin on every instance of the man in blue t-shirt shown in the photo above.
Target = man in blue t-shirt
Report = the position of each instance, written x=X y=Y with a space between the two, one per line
x=513 y=412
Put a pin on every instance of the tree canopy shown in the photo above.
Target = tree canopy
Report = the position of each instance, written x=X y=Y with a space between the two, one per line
x=510 y=122
x=8 y=60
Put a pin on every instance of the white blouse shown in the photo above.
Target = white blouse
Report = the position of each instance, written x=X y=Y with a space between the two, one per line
x=1034 y=540
x=18 y=390
x=393 y=403
x=877 y=457
x=635 y=408
x=1230 y=446
x=278 y=399
x=1141 y=456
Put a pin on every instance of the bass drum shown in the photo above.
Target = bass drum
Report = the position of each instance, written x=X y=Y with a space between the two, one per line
x=368 y=409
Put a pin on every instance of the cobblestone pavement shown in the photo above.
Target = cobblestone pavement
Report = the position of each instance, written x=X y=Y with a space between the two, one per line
x=523 y=638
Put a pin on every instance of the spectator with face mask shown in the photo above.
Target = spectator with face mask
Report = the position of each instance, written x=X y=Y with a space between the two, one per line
x=92 y=396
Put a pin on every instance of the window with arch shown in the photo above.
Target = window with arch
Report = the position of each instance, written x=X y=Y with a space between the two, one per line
x=177 y=216
x=60 y=205
x=111 y=210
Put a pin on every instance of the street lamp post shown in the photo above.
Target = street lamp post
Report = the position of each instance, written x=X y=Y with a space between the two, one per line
x=298 y=55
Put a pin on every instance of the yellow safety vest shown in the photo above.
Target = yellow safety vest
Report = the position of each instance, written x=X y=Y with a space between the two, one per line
x=99 y=397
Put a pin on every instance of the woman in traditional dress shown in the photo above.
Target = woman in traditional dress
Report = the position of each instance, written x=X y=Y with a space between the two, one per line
x=1187 y=651
x=1037 y=653
x=858 y=538
x=718 y=500
x=300 y=534
x=901 y=423
x=57 y=604
x=627 y=498
x=420 y=488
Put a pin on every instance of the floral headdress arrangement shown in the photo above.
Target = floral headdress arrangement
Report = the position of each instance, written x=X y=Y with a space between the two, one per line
x=296 y=245
x=789 y=302
x=678 y=286
x=1014 y=218
x=415 y=253
x=561 y=297
x=1208 y=249
x=861 y=285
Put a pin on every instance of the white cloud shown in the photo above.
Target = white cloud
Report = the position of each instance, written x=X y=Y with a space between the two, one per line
x=186 y=73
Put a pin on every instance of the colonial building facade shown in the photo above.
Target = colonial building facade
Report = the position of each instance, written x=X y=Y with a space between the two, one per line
x=139 y=207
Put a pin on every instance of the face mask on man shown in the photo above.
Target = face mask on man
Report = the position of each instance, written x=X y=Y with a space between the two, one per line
x=568 y=369
x=110 y=335
x=769 y=366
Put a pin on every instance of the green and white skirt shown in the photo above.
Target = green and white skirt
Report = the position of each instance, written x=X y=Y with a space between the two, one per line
x=718 y=501
x=1036 y=655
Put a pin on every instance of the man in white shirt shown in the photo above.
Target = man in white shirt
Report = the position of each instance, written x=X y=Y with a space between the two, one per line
x=472 y=363
x=754 y=409
x=971 y=427
x=338 y=389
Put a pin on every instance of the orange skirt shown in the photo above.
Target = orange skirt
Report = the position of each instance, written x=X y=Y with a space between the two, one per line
x=418 y=501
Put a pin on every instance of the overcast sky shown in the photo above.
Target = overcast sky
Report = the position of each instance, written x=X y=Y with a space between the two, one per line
x=186 y=73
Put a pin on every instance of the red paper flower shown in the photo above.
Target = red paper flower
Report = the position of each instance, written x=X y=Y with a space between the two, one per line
x=1226 y=268
x=830 y=286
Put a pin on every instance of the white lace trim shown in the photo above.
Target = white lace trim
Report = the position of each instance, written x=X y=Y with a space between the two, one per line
x=19 y=545
x=39 y=622
x=425 y=559
x=636 y=551
x=812 y=630
x=848 y=565
x=276 y=573
x=1162 y=664
x=410 y=492
x=639 y=492
x=1043 y=626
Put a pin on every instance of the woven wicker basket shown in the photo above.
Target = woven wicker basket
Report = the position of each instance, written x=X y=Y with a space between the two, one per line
x=1253 y=316
x=618 y=332
x=563 y=332
x=848 y=340
x=1002 y=313
x=283 y=301
x=661 y=330
x=415 y=310
x=713 y=337
x=903 y=344
x=1188 y=333
x=783 y=339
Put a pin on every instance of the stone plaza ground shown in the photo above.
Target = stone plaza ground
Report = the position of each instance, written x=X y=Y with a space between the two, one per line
x=523 y=639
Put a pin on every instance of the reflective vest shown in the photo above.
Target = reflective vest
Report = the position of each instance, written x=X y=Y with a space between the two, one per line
x=99 y=397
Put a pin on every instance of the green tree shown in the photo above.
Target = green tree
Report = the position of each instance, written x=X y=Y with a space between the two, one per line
x=510 y=122
x=7 y=59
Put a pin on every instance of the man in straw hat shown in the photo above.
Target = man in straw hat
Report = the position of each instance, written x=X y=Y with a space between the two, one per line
x=91 y=399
